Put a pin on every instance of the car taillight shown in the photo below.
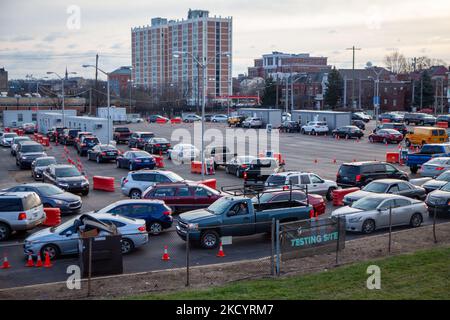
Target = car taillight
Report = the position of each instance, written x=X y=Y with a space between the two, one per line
x=168 y=144
x=142 y=228
x=125 y=181
x=167 y=213
x=83 y=144
x=245 y=175
x=440 y=168
x=243 y=166
x=358 y=178
x=22 y=216
x=285 y=188
x=157 y=145
x=103 y=153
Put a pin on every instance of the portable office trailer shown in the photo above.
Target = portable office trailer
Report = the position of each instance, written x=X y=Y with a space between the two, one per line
x=334 y=119
x=116 y=114
x=268 y=116
x=16 y=118
x=98 y=126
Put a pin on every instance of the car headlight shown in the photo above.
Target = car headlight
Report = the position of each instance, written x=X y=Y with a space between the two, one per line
x=23 y=158
x=353 y=220
x=60 y=202
x=193 y=226
x=84 y=183
x=62 y=184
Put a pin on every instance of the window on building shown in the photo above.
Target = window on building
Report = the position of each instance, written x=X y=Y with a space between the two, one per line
x=20 y=117
x=33 y=117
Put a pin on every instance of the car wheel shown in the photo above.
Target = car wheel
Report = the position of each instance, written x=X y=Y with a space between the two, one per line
x=5 y=231
x=302 y=131
x=238 y=174
x=127 y=246
x=52 y=250
x=414 y=170
x=368 y=226
x=117 y=164
x=329 y=195
x=227 y=170
x=97 y=159
x=312 y=133
x=408 y=143
x=135 y=194
x=347 y=137
x=371 y=139
x=416 y=220
x=209 y=239
x=155 y=228
x=85 y=193
x=130 y=167
x=385 y=141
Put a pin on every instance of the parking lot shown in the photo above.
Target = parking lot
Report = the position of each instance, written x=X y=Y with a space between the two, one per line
x=319 y=154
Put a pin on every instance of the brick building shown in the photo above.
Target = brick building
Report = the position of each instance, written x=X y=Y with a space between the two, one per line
x=155 y=66
x=119 y=80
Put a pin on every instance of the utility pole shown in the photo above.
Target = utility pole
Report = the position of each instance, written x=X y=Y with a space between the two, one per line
x=421 y=93
x=276 y=99
x=345 y=91
x=96 y=82
x=354 y=49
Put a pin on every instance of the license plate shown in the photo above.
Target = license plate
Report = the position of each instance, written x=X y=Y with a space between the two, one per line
x=146 y=161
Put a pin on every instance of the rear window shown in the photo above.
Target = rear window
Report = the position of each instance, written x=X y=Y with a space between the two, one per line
x=31 y=201
x=147 y=135
x=432 y=149
x=10 y=204
x=348 y=170
x=122 y=130
x=45 y=162
x=32 y=148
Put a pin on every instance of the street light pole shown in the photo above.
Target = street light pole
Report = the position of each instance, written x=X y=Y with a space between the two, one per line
x=63 y=94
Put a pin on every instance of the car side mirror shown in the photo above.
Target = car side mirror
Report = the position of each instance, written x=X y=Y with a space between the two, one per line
x=68 y=233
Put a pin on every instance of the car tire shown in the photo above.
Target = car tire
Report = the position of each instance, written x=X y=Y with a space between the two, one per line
x=329 y=195
x=135 y=194
x=209 y=239
x=53 y=251
x=155 y=228
x=371 y=139
x=227 y=170
x=368 y=226
x=130 y=167
x=127 y=245
x=414 y=170
x=312 y=133
x=5 y=231
x=408 y=143
x=238 y=174
x=117 y=164
x=385 y=141
x=97 y=159
x=416 y=220
x=347 y=137
x=407 y=122
x=85 y=193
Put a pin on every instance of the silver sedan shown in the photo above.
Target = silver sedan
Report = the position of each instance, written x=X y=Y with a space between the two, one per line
x=435 y=167
x=63 y=240
x=372 y=213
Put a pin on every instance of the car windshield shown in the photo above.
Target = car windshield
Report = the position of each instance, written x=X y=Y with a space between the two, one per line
x=67 y=172
x=276 y=180
x=122 y=130
x=246 y=160
x=444 y=177
x=63 y=226
x=375 y=187
x=446 y=187
x=219 y=206
x=49 y=190
x=367 y=203
x=349 y=170
x=174 y=177
x=438 y=161
x=32 y=148
x=18 y=139
x=9 y=135
x=108 y=147
x=45 y=162
x=147 y=135
x=91 y=140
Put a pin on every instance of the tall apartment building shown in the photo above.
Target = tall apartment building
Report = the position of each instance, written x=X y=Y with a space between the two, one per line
x=3 y=80
x=278 y=62
x=155 y=67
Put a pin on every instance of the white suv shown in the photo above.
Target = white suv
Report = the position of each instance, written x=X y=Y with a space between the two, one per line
x=311 y=181
x=136 y=182
x=19 y=211
x=315 y=127
x=252 y=122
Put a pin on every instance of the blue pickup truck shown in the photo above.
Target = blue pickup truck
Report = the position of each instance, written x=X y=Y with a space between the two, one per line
x=428 y=151
x=237 y=216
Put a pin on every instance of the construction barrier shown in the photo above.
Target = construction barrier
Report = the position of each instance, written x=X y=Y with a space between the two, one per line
x=35 y=136
x=392 y=157
x=39 y=138
x=20 y=132
x=159 y=161
x=212 y=183
x=45 y=142
x=161 y=121
x=103 y=183
x=53 y=217
x=175 y=121
x=196 y=167
x=339 y=194
x=7 y=129
x=442 y=124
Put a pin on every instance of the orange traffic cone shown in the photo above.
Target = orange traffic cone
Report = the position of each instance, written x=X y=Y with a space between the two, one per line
x=39 y=261
x=221 y=254
x=30 y=262
x=47 y=262
x=6 y=264
x=165 y=256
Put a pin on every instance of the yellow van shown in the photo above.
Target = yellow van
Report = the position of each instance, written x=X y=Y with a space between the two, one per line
x=426 y=135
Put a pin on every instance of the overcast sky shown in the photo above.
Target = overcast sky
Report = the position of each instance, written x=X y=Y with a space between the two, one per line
x=34 y=37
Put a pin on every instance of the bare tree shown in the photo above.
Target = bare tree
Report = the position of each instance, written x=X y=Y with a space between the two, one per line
x=396 y=62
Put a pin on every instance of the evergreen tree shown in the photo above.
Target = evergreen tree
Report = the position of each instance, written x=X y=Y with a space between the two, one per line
x=333 y=92
x=269 y=96
x=424 y=91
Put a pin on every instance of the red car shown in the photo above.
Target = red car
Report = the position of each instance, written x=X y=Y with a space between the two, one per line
x=183 y=196
x=315 y=200
x=386 y=136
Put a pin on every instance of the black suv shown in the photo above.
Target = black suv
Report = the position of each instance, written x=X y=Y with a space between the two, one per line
x=348 y=132
x=420 y=119
x=85 y=144
x=27 y=152
x=139 y=139
x=400 y=127
x=68 y=136
x=359 y=174
x=439 y=201
x=67 y=177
